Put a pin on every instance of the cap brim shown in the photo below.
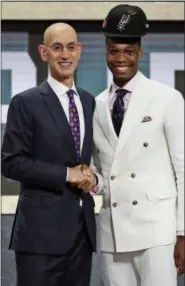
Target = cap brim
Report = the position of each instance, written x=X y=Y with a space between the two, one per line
x=123 y=36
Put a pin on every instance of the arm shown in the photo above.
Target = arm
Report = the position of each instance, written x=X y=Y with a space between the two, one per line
x=96 y=168
x=174 y=131
x=17 y=163
x=95 y=160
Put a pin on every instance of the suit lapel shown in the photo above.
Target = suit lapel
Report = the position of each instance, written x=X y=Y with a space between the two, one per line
x=87 y=120
x=58 y=115
x=139 y=99
x=105 y=119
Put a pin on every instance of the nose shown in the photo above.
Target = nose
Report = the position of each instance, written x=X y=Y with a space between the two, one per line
x=65 y=53
x=121 y=57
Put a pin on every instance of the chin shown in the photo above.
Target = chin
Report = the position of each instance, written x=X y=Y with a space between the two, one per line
x=66 y=74
x=121 y=76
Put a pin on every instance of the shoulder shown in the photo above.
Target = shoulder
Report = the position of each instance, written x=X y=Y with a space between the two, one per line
x=26 y=95
x=84 y=93
x=103 y=95
x=88 y=97
x=167 y=93
x=162 y=90
x=27 y=100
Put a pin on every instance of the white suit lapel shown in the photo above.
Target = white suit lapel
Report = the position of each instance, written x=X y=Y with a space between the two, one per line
x=139 y=99
x=102 y=108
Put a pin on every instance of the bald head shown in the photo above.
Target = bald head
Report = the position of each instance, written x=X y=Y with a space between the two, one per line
x=59 y=30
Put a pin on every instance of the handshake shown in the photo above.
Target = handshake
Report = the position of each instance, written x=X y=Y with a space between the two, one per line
x=82 y=177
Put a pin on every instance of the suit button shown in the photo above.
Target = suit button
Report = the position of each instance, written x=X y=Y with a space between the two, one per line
x=113 y=178
x=114 y=205
x=134 y=202
x=145 y=144
x=133 y=175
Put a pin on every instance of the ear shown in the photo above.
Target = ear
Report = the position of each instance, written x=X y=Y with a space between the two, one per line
x=43 y=52
x=140 y=53
x=79 y=50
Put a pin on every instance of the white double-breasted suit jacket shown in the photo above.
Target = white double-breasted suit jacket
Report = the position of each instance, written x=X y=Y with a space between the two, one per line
x=141 y=173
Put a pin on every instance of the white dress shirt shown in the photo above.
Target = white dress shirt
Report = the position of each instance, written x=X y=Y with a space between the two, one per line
x=61 y=92
x=129 y=87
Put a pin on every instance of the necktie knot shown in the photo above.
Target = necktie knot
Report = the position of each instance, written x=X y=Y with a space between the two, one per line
x=121 y=92
x=71 y=93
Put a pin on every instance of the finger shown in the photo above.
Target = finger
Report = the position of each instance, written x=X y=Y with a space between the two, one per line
x=88 y=173
x=178 y=264
x=179 y=271
x=86 y=185
x=83 y=167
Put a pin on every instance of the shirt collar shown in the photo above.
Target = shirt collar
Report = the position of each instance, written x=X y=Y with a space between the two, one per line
x=59 y=88
x=129 y=86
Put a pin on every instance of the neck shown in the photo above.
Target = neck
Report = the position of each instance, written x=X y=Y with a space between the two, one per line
x=120 y=82
x=65 y=80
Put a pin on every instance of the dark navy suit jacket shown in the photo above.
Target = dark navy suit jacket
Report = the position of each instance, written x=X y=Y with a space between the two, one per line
x=37 y=149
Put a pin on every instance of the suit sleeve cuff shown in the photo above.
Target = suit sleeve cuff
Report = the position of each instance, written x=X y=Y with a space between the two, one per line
x=180 y=233
x=96 y=187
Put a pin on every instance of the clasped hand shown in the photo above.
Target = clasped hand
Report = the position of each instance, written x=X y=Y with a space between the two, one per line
x=82 y=177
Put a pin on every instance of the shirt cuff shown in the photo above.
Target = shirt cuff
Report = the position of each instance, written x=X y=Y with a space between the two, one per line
x=180 y=233
x=96 y=188
x=67 y=175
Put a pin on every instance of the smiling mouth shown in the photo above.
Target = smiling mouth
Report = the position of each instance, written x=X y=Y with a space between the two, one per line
x=65 y=64
x=121 y=69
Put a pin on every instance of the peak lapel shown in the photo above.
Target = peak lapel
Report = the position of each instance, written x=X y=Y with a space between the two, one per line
x=102 y=108
x=139 y=99
x=58 y=115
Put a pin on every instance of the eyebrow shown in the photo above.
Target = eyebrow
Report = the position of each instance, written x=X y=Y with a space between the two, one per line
x=125 y=48
x=57 y=43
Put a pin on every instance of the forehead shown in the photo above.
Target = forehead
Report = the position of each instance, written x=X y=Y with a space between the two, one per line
x=63 y=37
x=121 y=45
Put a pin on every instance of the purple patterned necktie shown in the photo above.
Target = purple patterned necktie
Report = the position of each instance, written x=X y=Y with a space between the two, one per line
x=74 y=121
x=118 y=110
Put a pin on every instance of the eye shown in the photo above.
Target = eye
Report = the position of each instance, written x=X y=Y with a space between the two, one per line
x=130 y=53
x=57 y=48
x=113 y=52
x=71 y=47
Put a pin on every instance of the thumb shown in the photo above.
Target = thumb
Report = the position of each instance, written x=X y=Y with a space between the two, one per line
x=177 y=260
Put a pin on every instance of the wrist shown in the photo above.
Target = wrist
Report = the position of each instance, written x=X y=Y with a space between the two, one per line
x=95 y=180
x=68 y=179
x=180 y=237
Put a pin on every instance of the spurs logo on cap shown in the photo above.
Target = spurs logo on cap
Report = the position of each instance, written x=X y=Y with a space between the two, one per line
x=125 y=19
x=132 y=11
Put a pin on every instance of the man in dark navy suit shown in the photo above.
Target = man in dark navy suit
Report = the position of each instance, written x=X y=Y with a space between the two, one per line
x=47 y=144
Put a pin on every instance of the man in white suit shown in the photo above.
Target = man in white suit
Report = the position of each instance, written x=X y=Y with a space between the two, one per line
x=139 y=159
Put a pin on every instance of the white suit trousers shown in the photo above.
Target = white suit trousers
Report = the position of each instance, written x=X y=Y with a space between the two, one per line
x=151 y=267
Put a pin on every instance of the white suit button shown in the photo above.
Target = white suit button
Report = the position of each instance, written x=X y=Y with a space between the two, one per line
x=114 y=205
x=133 y=175
x=113 y=178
